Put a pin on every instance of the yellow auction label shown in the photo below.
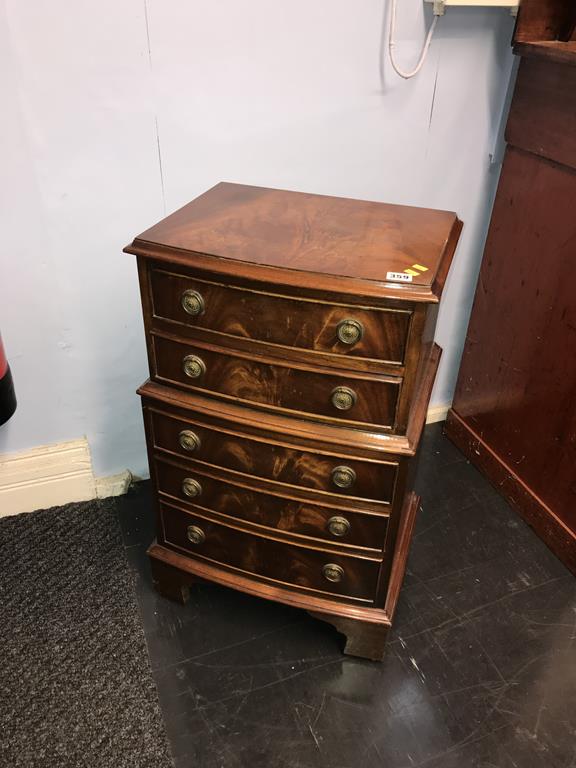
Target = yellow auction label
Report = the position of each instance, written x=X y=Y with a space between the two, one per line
x=415 y=270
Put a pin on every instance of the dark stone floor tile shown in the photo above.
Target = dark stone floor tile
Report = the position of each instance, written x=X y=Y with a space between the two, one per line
x=136 y=515
x=485 y=583
x=496 y=555
x=528 y=628
x=456 y=483
x=293 y=721
x=448 y=658
x=419 y=609
x=456 y=542
x=450 y=488
x=479 y=670
x=482 y=750
x=256 y=661
x=435 y=448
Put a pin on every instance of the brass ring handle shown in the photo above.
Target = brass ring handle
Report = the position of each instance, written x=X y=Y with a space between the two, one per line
x=343 y=398
x=193 y=366
x=343 y=477
x=333 y=572
x=192 y=302
x=189 y=440
x=195 y=534
x=350 y=331
x=191 y=487
x=338 y=526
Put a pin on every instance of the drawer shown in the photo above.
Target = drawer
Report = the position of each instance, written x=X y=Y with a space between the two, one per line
x=285 y=564
x=362 y=332
x=313 y=392
x=282 y=463
x=269 y=508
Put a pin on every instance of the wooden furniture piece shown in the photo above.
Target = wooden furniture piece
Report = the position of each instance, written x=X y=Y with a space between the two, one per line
x=290 y=342
x=514 y=411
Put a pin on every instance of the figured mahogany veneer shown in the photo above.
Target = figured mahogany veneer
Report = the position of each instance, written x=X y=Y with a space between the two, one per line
x=260 y=456
x=278 y=561
x=275 y=383
x=290 y=375
x=323 y=241
x=276 y=319
x=263 y=505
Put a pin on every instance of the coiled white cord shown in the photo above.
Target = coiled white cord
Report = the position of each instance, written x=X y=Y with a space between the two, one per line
x=392 y=44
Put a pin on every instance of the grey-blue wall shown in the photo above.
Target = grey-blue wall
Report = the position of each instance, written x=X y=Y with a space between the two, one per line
x=285 y=94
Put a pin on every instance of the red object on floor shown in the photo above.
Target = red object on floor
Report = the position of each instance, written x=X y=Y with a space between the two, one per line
x=3 y=360
x=7 y=394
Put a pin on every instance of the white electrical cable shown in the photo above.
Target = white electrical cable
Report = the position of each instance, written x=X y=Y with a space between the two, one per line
x=392 y=44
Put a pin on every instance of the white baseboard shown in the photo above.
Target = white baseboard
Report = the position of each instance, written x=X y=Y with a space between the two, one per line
x=115 y=485
x=437 y=413
x=46 y=477
x=51 y=475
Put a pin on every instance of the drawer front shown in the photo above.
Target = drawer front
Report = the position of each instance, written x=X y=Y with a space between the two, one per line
x=341 y=397
x=294 y=516
x=370 y=333
x=287 y=564
x=374 y=481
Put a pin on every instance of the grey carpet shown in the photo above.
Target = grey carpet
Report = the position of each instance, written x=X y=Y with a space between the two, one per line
x=76 y=687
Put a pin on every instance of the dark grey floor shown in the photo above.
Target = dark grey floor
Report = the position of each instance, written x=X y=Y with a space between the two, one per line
x=480 y=668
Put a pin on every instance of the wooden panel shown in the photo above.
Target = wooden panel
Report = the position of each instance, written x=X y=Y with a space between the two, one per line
x=556 y=534
x=269 y=558
x=545 y=20
x=517 y=384
x=236 y=498
x=263 y=456
x=309 y=233
x=274 y=384
x=551 y=50
x=543 y=114
x=274 y=319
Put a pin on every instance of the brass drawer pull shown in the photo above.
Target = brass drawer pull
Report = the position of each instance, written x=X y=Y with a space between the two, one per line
x=343 y=477
x=193 y=366
x=192 y=302
x=195 y=534
x=189 y=440
x=191 y=487
x=333 y=572
x=350 y=331
x=343 y=398
x=338 y=526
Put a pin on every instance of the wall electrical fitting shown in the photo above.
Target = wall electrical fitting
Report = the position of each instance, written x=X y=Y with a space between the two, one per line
x=392 y=43
x=439 y=7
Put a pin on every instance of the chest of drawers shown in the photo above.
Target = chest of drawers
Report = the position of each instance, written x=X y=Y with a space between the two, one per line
x=291 y=353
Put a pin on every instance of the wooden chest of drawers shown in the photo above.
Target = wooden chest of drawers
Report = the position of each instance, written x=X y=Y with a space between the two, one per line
x=291 y=353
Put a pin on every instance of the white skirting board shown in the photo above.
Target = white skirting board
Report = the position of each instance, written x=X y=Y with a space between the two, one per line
x=437 y=413
x=51 y=475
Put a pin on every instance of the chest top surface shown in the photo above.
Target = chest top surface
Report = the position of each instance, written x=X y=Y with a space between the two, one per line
x=326 y=236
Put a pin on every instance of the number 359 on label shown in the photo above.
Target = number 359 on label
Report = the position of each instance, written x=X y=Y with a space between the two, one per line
x=400 y=277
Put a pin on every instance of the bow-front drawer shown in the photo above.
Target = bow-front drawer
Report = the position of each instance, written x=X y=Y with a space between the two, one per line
x=371 y=333
x=314 y=392
x=269 y=507
x=261 y=456
x=305 y=567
